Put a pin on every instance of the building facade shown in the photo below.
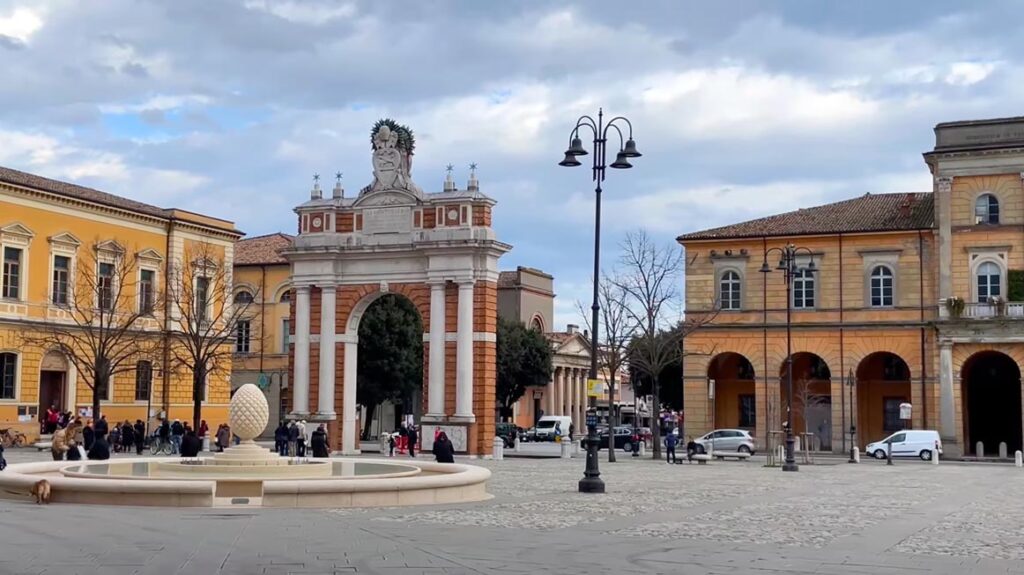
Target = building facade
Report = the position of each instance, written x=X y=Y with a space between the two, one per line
x=262 y=279
x=55 y=239
x=912 y=298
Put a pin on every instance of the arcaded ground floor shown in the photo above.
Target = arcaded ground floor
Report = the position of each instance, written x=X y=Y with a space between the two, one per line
x=967 y=388
x=729 y=518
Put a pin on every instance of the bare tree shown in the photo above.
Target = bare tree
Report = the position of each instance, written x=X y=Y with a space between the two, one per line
x=205 y=318
x=105 y=316
x=805 y=399
x=618 y=329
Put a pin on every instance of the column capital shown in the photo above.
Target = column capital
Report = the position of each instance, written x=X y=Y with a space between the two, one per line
x=944 y=184
x=465 y=282
x=302 y=288
x=331 y=287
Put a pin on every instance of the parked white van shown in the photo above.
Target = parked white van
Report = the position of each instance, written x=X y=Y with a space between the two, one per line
x=547 y=425
x=921 y=443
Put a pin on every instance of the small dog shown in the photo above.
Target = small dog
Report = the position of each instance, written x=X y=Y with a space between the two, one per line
x=41 y=491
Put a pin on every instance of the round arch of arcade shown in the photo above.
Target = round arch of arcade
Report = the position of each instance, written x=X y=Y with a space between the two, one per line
x=990 y=400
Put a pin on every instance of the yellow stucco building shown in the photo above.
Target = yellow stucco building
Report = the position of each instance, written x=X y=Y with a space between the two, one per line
x=57 y=237
x=913 y=298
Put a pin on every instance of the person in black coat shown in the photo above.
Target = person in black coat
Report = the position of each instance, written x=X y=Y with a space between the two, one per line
x=318 y=442
x=293 y=439
x=444 y=451
x=281 y=439
x=100 y=450
x=127 y=437
x=191 y=445
x=140 y=436
x=88 y=436
x=413 y=438
x=100 y=427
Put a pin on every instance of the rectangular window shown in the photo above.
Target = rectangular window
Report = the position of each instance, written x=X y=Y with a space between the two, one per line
x=105 y=286
x=748 y=411
x=286 y=338
x=61 y=273
x=147 y=279
x=891 y=413
x=202 y=298
x=242 y=336
x=803 y=289
x=12 y=273
x=8 y=375
x=143 y=380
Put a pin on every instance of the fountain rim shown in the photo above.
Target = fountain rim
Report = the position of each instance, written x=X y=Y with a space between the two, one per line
x=411 y=471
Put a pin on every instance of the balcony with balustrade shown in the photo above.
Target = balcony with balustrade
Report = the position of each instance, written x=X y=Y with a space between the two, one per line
x=996 y=308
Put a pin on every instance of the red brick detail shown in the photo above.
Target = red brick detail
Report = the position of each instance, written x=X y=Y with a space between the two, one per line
x=482 y=216
x=345 y=222
x=417 y=218
x=429 y=219
x=359 y=222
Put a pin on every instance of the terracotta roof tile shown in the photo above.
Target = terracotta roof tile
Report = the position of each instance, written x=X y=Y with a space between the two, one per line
x=27 y=180
x=867 y=213
x=262 y=249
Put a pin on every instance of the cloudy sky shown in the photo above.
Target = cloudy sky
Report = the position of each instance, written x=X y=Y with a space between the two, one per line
x=741 y=108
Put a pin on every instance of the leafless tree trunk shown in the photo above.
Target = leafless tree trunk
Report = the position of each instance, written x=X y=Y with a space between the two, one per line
x=99 y=319
x=613 y=345
x=205 y=317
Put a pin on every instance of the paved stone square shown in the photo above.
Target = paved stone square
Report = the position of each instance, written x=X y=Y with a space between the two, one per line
x=655 y=518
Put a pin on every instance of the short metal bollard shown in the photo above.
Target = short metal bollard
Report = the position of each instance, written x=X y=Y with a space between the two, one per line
x=566 y=449
x=206 y=443
x=1018 y=459
x=935 y=457
x=979 y=449
x=517 y=446
x=498 y=449
x=856 y=454
x=643 y=449
x=1002 y=450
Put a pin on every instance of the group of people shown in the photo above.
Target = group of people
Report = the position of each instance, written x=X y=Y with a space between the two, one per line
x=89 y=438
x=672 y=440
x=292 y=440
x=443 y=449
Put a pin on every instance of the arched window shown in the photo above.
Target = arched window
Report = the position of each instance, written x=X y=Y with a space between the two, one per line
x=729 y=290
x=881 y=287
x=243 y=296
x=143 y=380
x=286 y=297
x=986 y=209
x=803 y=289
x=537 y=324
x=989 y=278
x=8 y=375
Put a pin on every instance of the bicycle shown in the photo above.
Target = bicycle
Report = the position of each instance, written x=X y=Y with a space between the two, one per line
x=157 y=445
x=12 y=438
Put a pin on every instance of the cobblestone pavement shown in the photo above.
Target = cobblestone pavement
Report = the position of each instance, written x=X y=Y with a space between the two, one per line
x=656 y=518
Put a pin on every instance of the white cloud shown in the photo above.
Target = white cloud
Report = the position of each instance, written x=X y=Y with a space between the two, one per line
x=20 y=24
x=968 y=73
x=161 y=102
x=306 y=12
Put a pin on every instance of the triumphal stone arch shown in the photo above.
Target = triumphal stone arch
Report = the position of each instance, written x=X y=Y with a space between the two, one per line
x=435 y=248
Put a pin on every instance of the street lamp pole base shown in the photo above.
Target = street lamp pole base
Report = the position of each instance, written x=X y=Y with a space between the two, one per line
x=790 y=463
x=591 y=485
x=591 y=482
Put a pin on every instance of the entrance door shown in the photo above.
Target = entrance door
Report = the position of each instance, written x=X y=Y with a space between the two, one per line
x=51 y=391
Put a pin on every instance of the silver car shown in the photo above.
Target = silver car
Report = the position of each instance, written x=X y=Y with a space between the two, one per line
x=727 y=440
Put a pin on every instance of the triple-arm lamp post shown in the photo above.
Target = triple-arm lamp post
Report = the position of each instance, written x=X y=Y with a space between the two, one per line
x=790 y=269
x=591 y=482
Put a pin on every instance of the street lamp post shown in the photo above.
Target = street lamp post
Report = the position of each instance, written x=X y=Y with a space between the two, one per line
x=850 y=382
x=789 y=268
x=591 y=482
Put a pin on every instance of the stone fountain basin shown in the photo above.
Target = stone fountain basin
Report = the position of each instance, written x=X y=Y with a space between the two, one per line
x=381 y=483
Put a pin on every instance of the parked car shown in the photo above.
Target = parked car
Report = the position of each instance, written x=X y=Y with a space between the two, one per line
x=623 y=438
x=923 y=443
x=528 y=435
x=727 y=440
x=508 y=432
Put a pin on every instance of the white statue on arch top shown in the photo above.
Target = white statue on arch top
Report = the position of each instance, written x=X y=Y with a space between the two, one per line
x=393 y=146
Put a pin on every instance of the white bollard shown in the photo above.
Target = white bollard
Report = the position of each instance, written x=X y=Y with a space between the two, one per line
x=935 y=457
x=856 y=454
x=782 y=453
x=643 y=449
x=206 y=444
x=1018 y=459
x=979 y=449
x=517 y=446
x=1002 y=450
x=566 y=449
x=498 y=449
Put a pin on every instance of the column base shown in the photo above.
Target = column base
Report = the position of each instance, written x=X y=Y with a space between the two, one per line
x=433 y=418
x=296 y=415
x=462 y=418
x=323 y=416
x=349 y=452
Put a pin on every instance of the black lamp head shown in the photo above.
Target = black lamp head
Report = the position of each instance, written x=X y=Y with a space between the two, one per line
x=630 y=149
x=570 y=161
x=621 y=162
x=576 y=148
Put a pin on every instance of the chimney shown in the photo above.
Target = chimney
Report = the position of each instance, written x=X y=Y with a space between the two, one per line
x=586 y=335
x=905 y=206
x=572 y=328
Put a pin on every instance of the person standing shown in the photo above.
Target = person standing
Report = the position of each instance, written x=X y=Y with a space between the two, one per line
x=88 y=435
x=413 y=437
x=63 y=440
x=670 y=447
x=319 y=442
x=293 y=439
x=127 y=436
x=100 y=427
x=203 y=430
x=444 y=451
x=281 y=439
x=164 y=431
x=177 y=432
x=191 y=445
x=224 y=436
x=100 y=450
x=300 y=440
x=140 y=436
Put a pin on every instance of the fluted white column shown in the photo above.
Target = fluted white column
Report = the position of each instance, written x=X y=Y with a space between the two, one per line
x=348 y=402
x=577 y=407
x=435 y=379
x=300 y=390
x=947 y=405
x=567 y=392
x=464 y=353
x=325 y=397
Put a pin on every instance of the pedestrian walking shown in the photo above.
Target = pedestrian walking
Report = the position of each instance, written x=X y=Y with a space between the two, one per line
x=413 y=437
x=670 y=447
x=223 y=437
x=140 y=436
x=281 y=439
x=300 y=440
x=444 y=451
x=293 y=439
x=177 y=432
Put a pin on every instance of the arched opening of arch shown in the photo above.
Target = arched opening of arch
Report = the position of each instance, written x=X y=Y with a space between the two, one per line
x=811 y=402
x=991 y=396
x=53 y=376
x=883 y=383
x=389 y=372
x=735 y=398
